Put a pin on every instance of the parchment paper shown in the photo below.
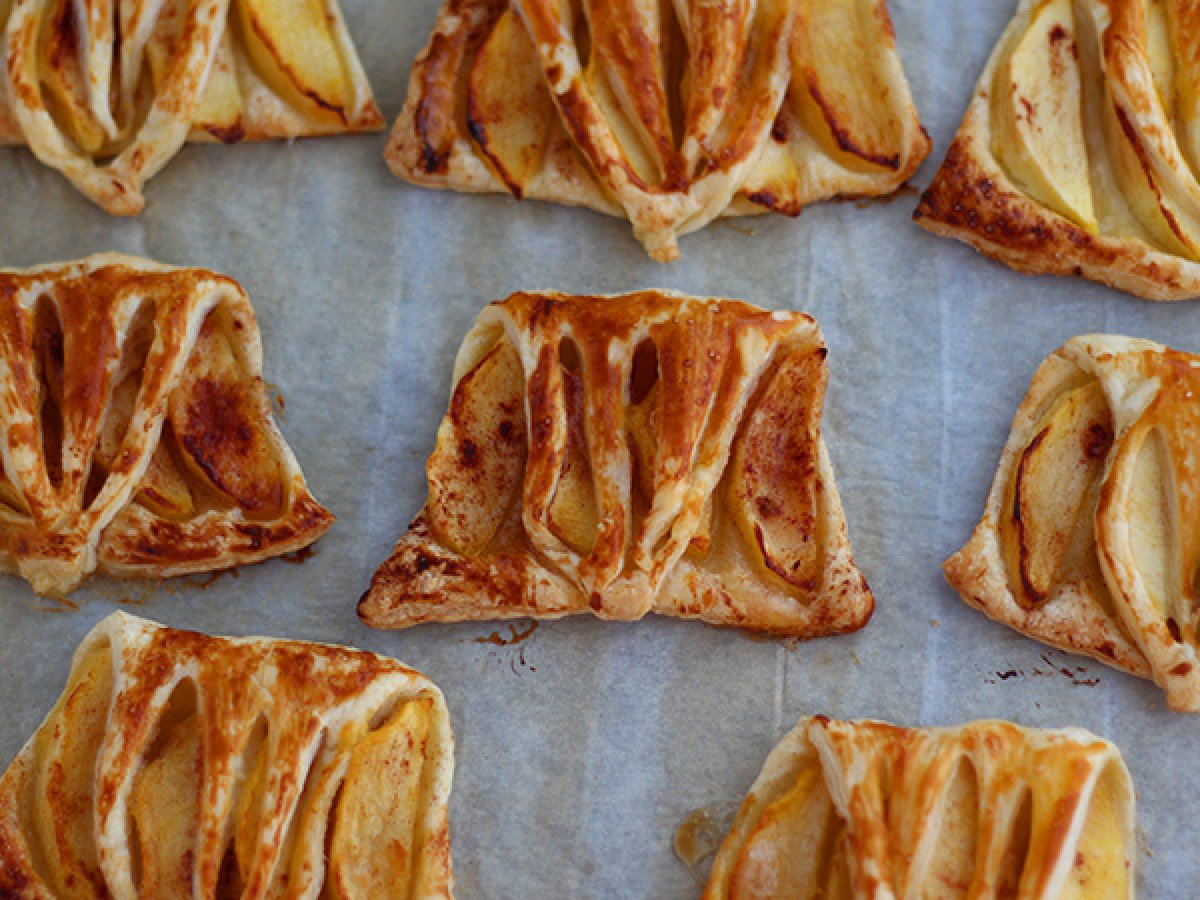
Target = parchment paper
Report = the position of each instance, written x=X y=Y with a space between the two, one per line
x=582 y=748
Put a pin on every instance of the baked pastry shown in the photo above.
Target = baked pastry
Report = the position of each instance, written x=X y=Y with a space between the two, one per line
x=989 y=810
x=136 y=436
x=1078 y=152
x=621 y=455
x=666 y=114
x=181 y=765
x=1090 y=537
x=107 y=93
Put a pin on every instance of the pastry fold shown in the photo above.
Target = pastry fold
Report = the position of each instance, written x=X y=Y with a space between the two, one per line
x=1091 y=536
x=136 y=435
x=667 y=114
x=181 y=765
x=622 y=455
x=986 y=810
x=1079 y=151
x=107 y=92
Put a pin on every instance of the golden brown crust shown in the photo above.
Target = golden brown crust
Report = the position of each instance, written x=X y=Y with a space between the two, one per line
x=73 y=84
x=138 y=436
x=631 y=454
x=1111 y=236
x=1113 y=565
x=765 y=121
x=988 y=809
x=285 y=736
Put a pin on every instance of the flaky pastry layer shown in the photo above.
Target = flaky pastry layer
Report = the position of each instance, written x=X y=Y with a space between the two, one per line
x=181 y=765
x=666 y=114
x=1090 y=538
x=622 y=455
x=136 y=435
x=107 y=93
x=1078 y=153
x=987 y=810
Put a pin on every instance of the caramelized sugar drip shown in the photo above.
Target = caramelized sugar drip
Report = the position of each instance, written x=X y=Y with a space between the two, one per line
x=181 y=765
x=108 y=93
x=671 y=113
x=138 y=427
x=848 y=809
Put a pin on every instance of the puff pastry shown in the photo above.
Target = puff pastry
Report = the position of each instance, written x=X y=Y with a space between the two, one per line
x=988 y=810
x=1091 y=536
x=181 y=765
x=630 y=454
x=667 y=114
x=107 y=93
x=136 y=436
x=1079 y=151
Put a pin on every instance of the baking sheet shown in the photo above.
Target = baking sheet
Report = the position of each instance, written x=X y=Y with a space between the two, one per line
x=582 y=747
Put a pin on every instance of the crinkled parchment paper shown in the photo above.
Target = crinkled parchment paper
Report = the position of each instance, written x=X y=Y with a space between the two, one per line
x=583 y=746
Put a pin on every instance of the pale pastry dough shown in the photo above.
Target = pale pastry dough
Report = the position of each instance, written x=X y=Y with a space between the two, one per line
x=622 y=455
x=107 y=93
x=668 y=114
x=181 y=765
x=1091 y=536
x=136 y=435
x=1080 y=150
x=988 y=810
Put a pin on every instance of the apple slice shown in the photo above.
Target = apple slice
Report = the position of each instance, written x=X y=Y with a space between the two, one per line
x=64 y=77
x=474 y=472
x=788 y=852
x=163 y=805
x=1037 y=110
x=1104 y=851
x=220 y=418
x=375 y=831
x=510 y=113
x=1183 y=17
x=293 y=47
x=640 y=423
x=163 y=489
x=837 y=91
x=952 y=864
x=573 y=515
x=1154 y=526
x=773 y=483
x=1053 y=478
x=65 y=774
x=220 y=109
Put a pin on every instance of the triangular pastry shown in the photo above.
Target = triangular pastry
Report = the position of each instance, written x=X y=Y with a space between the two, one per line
x=107 y=93
x=181 y=765
x=622 y=455
x=1091 y=536
x=988 y=810
x=1080 y=150
x=136 y=435
x=667 y=114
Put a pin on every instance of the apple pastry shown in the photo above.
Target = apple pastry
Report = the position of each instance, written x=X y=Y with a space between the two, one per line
x=136 y=435
x=622 y=455
x=667 y=114
x=1079 y=152
x=181 y=765
x=107 y=93
x=1091 y=536
x=988 y=810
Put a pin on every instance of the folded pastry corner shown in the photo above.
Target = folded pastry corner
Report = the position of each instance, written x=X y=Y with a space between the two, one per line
x=181 y=765
x=108 y=95
x=669 y=115
x=136 y=434
x=622 y=455
x=988 y=809
x=1090 y=540
x=1078 y=152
